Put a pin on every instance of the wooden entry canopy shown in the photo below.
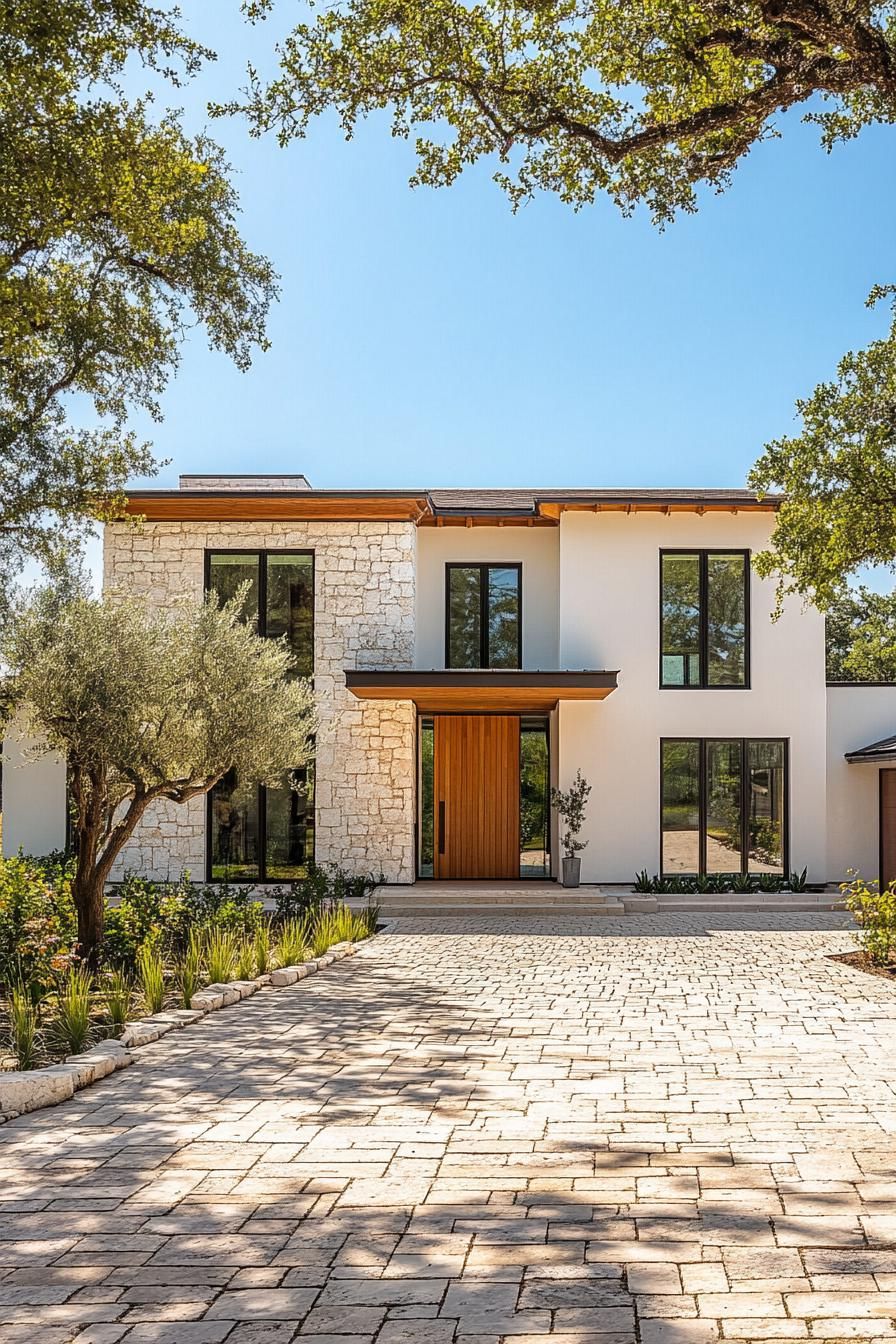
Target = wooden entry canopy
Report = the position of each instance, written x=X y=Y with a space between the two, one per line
x=481 y=691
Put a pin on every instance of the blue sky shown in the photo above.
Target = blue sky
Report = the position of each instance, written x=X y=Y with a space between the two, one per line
x=434 y=338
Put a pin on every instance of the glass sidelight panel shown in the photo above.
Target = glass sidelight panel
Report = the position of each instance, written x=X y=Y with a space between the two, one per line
x=765 y=803
x=289 y=606
x=289 y=826
x=426 y=796
x=724 y=818
x=681 y=807
x=234 y=830
x=535 y=815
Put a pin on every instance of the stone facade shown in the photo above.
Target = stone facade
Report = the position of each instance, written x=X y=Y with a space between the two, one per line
x=364 y=595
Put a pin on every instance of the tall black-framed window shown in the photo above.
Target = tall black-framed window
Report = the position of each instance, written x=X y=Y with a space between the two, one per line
x=724 y=805
x=258 y=834
x=704 y=619
x=483 y=615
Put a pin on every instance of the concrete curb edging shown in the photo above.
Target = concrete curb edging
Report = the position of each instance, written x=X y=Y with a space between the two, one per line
x=34 y=1089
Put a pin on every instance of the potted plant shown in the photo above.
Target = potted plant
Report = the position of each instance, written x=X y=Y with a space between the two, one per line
x=569 y=804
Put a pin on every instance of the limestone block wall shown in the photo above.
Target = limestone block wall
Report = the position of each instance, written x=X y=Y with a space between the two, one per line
x=364 y=596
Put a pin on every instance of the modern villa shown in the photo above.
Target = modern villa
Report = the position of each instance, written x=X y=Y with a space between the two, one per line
x=469 y=649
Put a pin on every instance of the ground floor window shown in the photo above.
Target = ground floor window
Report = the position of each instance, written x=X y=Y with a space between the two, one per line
x=257 y=834
x=724 y=805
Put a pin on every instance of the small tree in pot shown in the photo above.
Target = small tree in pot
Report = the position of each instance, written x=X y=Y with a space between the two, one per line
x=569 y=804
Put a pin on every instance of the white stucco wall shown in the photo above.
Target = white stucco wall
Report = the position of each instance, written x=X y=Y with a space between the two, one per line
x=857 y=716
x=33 y=796
x=363 y=617
x=536 y=548
x=609 y=618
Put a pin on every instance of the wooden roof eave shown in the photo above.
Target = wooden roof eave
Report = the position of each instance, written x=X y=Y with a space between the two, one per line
x=480 y=691
x=276 y=506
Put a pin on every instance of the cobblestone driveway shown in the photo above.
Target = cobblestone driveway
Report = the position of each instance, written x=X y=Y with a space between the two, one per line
x=652 y=1129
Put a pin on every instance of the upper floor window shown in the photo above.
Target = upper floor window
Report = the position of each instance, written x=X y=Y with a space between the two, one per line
x=483 y=625
x=281 y=594
x=704 y=618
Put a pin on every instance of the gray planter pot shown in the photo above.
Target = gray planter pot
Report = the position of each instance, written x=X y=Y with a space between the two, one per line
x=572 y=869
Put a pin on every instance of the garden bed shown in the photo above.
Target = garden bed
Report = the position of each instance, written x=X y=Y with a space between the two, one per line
x=22 y=1091
x=169 y=953
x=862 y=962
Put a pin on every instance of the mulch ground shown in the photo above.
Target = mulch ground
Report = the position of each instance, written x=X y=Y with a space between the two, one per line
x=863 y=962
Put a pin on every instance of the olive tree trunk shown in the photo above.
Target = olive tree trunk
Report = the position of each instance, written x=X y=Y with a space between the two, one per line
x=95 y=859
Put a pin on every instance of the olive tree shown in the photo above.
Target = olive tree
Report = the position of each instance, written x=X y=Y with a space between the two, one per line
x=148 y=705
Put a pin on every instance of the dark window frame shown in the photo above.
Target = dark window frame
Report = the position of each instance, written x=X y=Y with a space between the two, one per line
x=260 y=556
x=484 y=566
x=703 y=554
x=702 y=801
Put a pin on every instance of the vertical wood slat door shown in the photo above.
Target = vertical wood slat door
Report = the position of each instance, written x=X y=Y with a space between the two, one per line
x=477 y=796
x=887 y=827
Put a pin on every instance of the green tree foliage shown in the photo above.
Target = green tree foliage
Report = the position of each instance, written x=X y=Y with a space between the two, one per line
x=150 y=705
x=861 y=637
x=645 y=101
x=117 y=232
x=839 y=478
x=642 y=99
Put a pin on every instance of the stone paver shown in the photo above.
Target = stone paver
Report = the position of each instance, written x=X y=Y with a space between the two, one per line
x=656 y=1130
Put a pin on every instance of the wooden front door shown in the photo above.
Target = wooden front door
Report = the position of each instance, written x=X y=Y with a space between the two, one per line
x=477 y=796
x=887 y=827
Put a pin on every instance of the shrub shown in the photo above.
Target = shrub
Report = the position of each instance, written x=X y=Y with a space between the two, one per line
x=323 y=933
x=224 y=906
x=189 y=974
x=325 y=884
x=875 y=913
x=147 y=912
x=307 y=895
x=220 y=954
x=119 y=997
x=245 y=959
x=262 y=946
x=742 y=883
x=365 y=922
x=293 y=942
x=165 y=914
x=151 y=974
x=71 y=1030
x=643 y=882
x=24 y=1033
x=799 y=881
x=38 y=928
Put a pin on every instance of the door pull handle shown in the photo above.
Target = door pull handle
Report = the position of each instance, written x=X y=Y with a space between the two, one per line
x=441 y=827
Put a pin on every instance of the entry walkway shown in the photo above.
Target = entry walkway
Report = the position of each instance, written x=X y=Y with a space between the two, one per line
x=651 y=1129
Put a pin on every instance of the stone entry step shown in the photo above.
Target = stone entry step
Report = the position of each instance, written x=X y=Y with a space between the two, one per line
x=465 y=899
x=479 y=911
